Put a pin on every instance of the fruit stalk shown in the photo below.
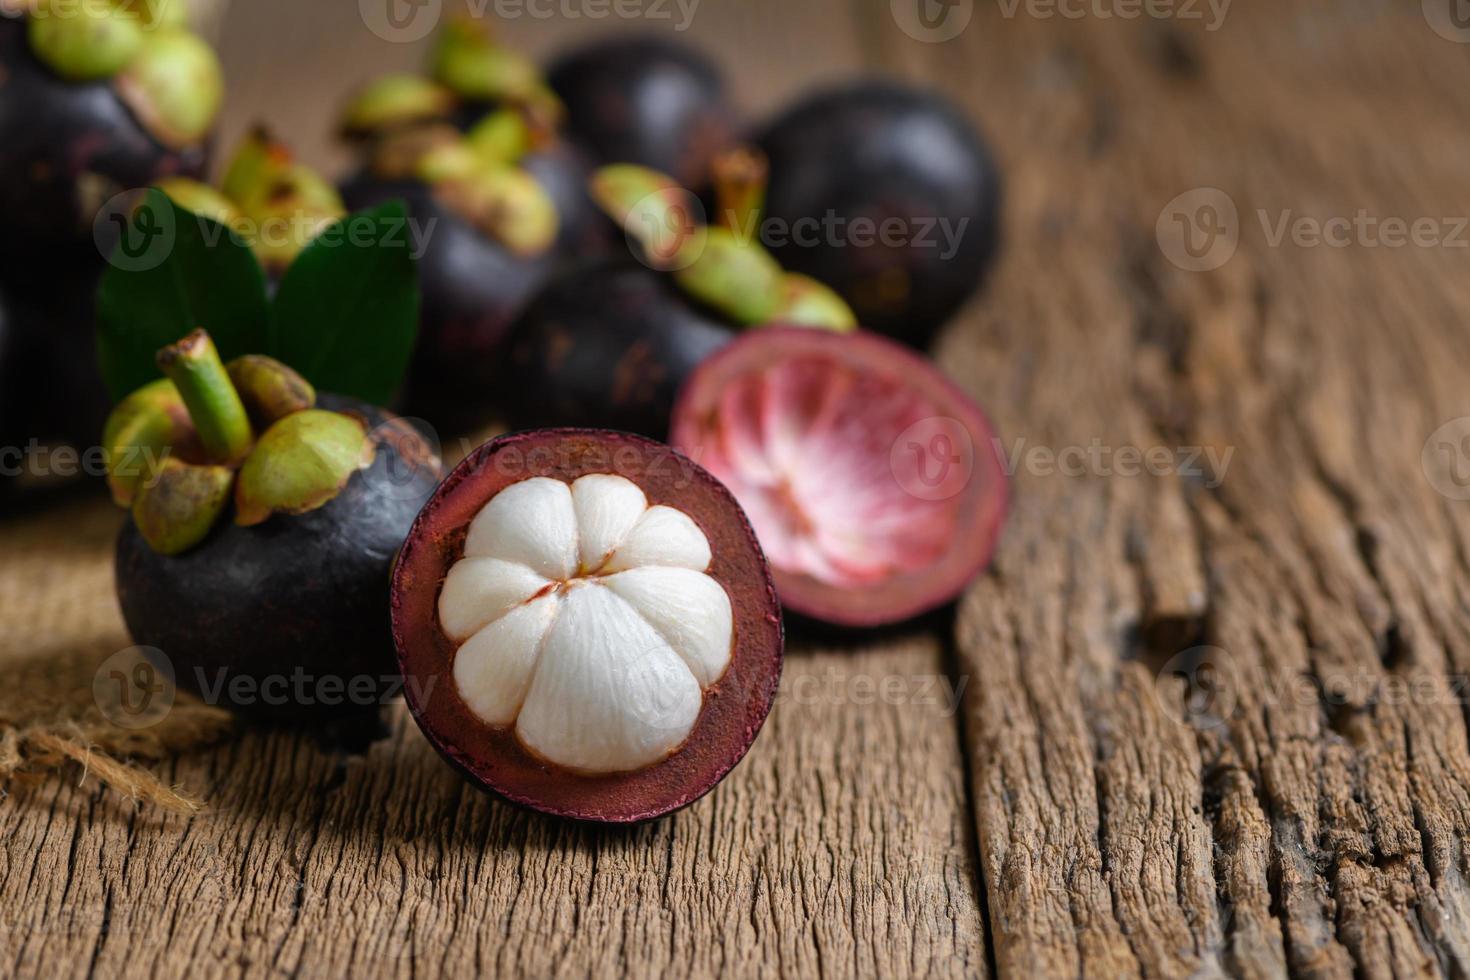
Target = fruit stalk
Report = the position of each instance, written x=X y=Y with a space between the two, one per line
x=194 y=366
x=740 y=178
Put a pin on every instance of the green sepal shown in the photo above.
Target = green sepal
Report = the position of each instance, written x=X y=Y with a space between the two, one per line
x=143 y=430
x=85 y=44
x=738 y=278
x=174 y=85
x=805 y=302
x=301 y=463
x=394 y=101
x=177 y=508
x=269 y=389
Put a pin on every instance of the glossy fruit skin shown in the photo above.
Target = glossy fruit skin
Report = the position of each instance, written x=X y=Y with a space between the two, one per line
x=644 y=100
x=68 y=148
x=473 y=289
x=303 y=593
x=735 y=707
x=986 y=492
x=607 y=344
x=879 y=151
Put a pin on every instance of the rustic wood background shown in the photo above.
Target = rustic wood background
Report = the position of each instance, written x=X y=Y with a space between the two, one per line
x=1211 y=723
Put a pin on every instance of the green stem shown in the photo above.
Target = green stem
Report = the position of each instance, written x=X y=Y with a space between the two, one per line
x=740 y=178
x=218 y=414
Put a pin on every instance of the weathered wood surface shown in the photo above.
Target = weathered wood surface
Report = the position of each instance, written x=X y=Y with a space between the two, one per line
x=1211 y=723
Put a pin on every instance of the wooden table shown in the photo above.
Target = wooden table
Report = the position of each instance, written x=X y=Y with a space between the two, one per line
x=1212 y=716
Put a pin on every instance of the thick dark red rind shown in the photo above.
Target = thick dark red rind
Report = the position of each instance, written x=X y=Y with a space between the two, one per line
x=735 y=707
x=987 y=498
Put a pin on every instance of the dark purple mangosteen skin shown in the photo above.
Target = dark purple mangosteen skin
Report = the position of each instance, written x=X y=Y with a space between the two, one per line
x=644 y=100
x=607 y=344
x=880 y=151
x=474 y=289
x=305 y=594
x=54 y=132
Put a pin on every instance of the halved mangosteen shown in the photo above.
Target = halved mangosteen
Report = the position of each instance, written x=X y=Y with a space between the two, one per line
x=586 y=625
x=874 y=483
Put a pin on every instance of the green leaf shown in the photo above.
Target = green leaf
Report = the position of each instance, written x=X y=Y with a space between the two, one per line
x=347 y=311
x=173 y=271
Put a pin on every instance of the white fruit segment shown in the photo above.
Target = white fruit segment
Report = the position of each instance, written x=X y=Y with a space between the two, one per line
x=587 y=622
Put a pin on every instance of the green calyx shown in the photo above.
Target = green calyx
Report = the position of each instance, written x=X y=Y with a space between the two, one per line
x=86 y=44
x=300 y=463
x=174 y=85
x=507 y=204
x=182 y=448
x=476 y=177
x=275 y=203
x=475 y=66
x=395 y=101
x=723 y=266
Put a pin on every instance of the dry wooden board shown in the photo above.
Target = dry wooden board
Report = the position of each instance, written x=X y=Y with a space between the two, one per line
x=1213 y=718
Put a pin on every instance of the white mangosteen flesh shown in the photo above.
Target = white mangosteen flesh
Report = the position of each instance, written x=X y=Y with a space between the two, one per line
x=587 y=622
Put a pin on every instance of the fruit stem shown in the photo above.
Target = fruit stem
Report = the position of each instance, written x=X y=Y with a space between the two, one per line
x=194 y=366
x=740 y=177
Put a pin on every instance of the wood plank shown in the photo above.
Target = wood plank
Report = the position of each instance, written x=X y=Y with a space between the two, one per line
x=1305 y=809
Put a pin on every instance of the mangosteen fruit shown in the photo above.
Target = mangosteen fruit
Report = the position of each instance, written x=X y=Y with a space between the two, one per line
x=95 y=99
x=263 y=524
x=874 y=483
x=498 y=196
x=275 y=203
x=888 y=195
x=646 y=101
x=586 y=625
x=610 y=343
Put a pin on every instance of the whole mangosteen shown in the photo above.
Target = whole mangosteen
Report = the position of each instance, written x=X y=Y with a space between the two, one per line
x=610 y=343
x=586 y=625
x=264 y=521
x=646 y=101
x=95 y=99
x=498 y=199
x=888 y=195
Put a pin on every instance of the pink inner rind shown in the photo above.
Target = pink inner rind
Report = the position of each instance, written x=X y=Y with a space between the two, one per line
x=823 y=438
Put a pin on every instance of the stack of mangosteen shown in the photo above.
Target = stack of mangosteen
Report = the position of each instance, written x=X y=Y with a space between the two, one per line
x=95 y=99
x=586 y=621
